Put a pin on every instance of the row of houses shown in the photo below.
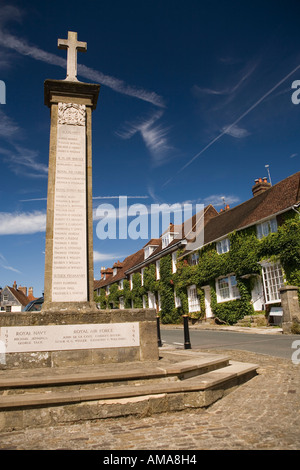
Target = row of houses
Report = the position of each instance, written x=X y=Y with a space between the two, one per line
x=247 y=254
x=15 y=298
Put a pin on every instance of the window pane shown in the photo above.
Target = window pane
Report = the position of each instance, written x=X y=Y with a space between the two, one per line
x=224 y=288
x=194 y=304
x=273 y=280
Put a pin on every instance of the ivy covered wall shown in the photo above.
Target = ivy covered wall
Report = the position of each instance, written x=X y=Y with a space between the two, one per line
x=243 y=258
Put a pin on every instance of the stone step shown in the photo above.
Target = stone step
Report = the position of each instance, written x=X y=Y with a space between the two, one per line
x=209 y=380
x=179 y=380
x=43 y=378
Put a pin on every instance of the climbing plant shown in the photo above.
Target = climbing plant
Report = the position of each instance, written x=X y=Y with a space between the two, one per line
x=243 y=258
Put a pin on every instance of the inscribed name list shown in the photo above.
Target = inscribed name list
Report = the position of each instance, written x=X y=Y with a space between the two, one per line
x=69 y=270
x=69 y=337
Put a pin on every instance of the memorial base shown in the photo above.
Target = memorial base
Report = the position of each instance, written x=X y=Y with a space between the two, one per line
x=69 y=338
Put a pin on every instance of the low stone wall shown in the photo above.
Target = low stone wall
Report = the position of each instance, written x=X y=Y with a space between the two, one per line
x=146 y=350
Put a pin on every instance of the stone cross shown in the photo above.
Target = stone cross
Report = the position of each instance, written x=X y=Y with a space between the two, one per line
x=72 y=46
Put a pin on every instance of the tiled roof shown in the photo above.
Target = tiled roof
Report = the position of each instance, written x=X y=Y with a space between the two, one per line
x=20 y=296
x=276 y=199
x=128 y=262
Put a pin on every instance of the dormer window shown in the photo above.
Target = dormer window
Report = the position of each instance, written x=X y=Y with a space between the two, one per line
x=194 y=259
x=115 y=271
x=223 y=246
x=167 y=238
x=148 y=250
x=263 y=229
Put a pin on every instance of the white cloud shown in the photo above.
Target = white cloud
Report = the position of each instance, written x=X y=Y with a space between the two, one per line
x=220 y=199
x=154 y=136
x=230 y=90
x=235 y=131
x=24 y=161
x=100 y=257
x=21 y=46
x=22 y=223
x=117 y=197
x=8 y=128
x=4 y=266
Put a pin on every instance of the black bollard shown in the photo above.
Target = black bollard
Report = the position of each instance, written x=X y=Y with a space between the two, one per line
x=158 y=332
x=187 y=343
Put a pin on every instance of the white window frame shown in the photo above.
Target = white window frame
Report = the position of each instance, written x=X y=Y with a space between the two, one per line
x=142 y=276
x=177 y=300
x=265 y=228
x=273 y=279
x=157 y=268
x=131 y=281
x=121 y=284
x=121 y=303
x=115 y=271
x=166 y=240
x=148 y=250
x=193 y=299
x=194 y=260
x=174 y=260
x=231 y=289
x=223 y=246
x=159 y=301
x=107 y=290
x=151 y=300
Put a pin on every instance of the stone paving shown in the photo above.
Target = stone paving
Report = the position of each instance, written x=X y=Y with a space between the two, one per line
x=262 y=414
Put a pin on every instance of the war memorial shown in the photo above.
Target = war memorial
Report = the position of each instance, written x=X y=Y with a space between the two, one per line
x=71 y=361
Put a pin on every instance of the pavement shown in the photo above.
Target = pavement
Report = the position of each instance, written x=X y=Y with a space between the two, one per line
x=262 y=414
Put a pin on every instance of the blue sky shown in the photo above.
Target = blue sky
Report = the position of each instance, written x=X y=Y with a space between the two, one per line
x=195 y=100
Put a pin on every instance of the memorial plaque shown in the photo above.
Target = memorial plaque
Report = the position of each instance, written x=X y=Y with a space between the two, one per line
x=68 y=337
x=69 y=272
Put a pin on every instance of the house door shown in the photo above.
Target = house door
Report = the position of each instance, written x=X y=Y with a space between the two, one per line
x=208 y=311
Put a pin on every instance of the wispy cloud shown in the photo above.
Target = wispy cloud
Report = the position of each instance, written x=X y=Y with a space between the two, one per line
x=294 y=155
x=34 y=199
x=232 y=89
x=3 y=265
x=8 y=128
x=218 y=200
x=23 y=47
x=117 y=197
x=24 y=161
x=233 y=125
x=101 y=257
x=22 y=223
x=154 y=135
x=235 y=131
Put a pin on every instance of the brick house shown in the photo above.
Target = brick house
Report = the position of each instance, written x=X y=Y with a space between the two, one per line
x=239 y=268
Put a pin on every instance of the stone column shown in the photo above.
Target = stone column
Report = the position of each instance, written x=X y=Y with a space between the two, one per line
x=290 y=307
x=69 y=272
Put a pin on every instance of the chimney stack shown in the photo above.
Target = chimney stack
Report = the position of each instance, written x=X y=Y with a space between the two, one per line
x=15 y=285
x=261 y=185
x=23 y=289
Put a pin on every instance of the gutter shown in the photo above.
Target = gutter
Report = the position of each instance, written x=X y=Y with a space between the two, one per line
x=157 y=256
x=245 y=227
